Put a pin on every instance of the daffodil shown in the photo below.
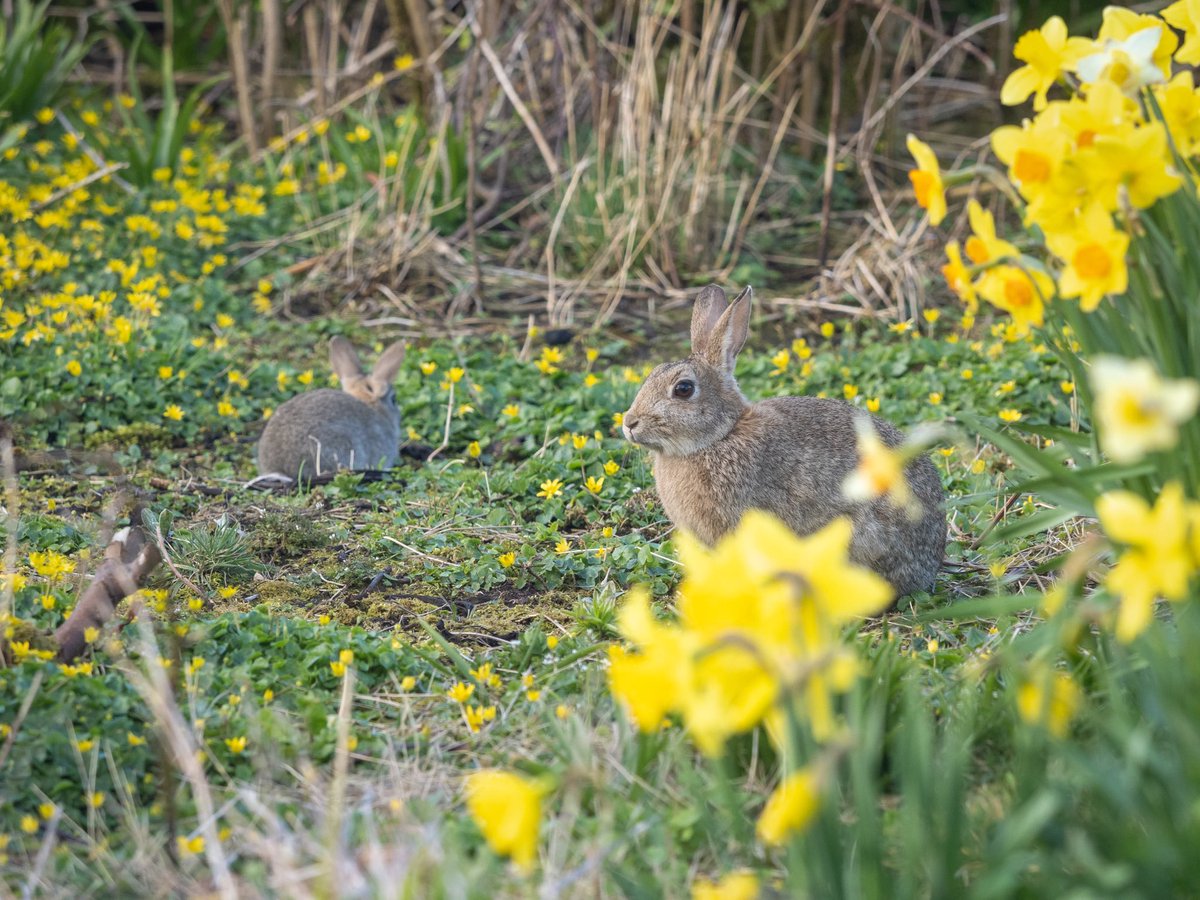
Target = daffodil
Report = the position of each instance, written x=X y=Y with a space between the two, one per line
x=1132 y=63
x=1103 y=111
x=1120 y=24
x=1138 y=161
x=1047 y=52
x=958 y=276
x=983 y=246
x=1048 y=699
x=1032 y=152
x=652 y=682
x=880 y=471
x=734 y=886
x=1179 y=101
x=756 y=612
x=926 y=180
x=1022 y=294
x=791 y=807
x=1137 y=410
x=1185 y=15
x=1157 y=560
x=1094 y=257
x=508 y=810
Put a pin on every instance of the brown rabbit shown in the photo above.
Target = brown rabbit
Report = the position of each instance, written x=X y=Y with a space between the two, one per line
x=717 y=455
x=321 y=431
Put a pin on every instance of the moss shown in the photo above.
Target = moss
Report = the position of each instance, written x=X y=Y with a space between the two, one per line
x=279 y=596
x=27 y=633
x=283 y=534
x=504 y=617
x=147 y=435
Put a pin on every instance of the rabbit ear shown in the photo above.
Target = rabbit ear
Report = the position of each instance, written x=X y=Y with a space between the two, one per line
x=705 y=315
x=730 y=333
x=344 y=360
x=386 y=367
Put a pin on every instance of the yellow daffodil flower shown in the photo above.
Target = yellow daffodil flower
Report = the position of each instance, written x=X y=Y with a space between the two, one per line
x=926 y=180
x=1049 y=700
x=1094 y=257
x=1137 y=410
x=1047 y=52
x=791 y=807
x=508 y=810
x=1021 y=294
x=1157 y=560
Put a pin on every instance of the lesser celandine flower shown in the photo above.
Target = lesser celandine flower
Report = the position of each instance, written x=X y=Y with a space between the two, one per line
x=1158 y=560
x=1138 y=411
x=549 y=489
x=927 y=181
x=236 y=744
x=508 y=810
x=461 y=692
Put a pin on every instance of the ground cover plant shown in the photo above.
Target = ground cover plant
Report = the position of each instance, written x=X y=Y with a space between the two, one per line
x=495 y=668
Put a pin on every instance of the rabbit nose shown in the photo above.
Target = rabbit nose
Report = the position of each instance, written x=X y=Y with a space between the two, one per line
x=629 y=423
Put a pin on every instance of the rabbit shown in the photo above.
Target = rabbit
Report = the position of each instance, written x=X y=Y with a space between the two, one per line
x=321 y=431
x=716 y=455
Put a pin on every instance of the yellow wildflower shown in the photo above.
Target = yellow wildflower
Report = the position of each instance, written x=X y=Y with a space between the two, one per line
x=508 y=810
x=790 y=808
x=1137 y=411
x=1048 y=699
x=550 y=489
x=734 y=886
x=1185 y=15
x=927 y=181
x=1157 y=560
x=1047 y=53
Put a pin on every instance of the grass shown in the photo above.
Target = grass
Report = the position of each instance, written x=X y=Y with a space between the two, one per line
x=284 y=726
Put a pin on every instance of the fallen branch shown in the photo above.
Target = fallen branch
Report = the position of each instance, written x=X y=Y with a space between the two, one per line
x=128 y=560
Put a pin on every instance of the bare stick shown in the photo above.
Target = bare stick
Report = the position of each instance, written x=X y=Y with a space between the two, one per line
x=511 y=92
x=835 y=110
x=446 y=433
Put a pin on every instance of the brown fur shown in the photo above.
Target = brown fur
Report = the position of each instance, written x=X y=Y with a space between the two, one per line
x=716 y=455
x=321 y=431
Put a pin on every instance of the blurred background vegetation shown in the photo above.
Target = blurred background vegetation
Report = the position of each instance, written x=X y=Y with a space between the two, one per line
x=570 y=158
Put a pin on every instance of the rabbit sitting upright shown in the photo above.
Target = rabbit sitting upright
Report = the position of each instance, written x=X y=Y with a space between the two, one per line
x=321 y=431
x=717 y=455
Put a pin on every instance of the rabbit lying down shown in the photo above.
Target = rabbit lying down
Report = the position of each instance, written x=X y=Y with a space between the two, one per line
x=717 y=455
x=357 y=427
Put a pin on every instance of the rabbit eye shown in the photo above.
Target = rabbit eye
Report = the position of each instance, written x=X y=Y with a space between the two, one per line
x=683 y=389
